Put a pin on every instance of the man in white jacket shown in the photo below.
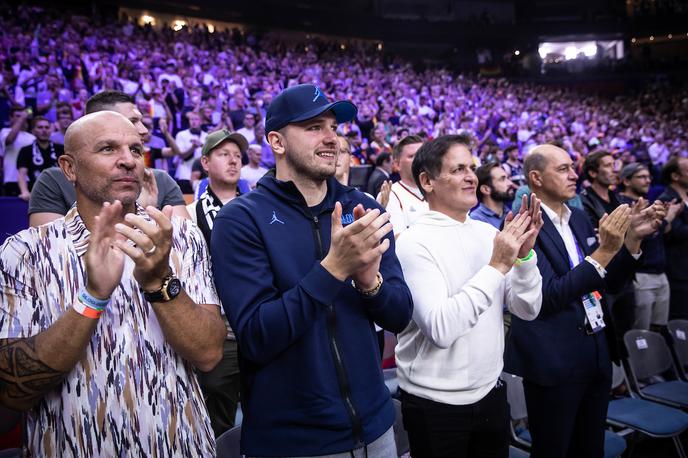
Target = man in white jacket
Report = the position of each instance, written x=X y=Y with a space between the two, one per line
x=460 y=271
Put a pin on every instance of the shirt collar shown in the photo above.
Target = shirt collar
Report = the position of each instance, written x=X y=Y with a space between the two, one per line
x=487 y=210
x=566 y=214
x=78 y=232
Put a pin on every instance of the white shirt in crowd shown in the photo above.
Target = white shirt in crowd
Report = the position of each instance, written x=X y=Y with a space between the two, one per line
x=252 y=175
x=11 y=151
x=451 y=352
x=659 y=153
x=183 y=140
x=406 y=205
x=249 y=134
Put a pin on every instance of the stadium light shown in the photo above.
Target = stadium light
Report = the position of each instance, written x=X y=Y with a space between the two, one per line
x=211 y=28
x=570 y=52
x=670 y=36
x=178 y=25
x=633 y=40
x=517 y=53
x=147 y=19
x=543 y=50
x=652 y=38
x=590 y=50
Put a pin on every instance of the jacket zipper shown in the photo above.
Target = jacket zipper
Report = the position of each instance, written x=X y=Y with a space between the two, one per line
x=344 y=387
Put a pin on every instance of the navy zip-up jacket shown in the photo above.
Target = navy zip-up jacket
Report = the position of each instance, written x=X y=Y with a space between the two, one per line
x=309 y=358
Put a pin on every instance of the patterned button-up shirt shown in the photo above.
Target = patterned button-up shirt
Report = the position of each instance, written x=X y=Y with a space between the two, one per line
x=131 y=394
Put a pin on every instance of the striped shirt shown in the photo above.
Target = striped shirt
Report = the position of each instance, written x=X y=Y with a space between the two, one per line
x=130 y=394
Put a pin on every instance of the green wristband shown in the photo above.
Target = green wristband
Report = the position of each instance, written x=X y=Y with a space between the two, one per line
x=530 y=255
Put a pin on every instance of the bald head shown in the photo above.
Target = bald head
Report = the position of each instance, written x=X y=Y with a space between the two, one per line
x=104 y=159
x=550 y=173
x=88 y=126
x=538 y=158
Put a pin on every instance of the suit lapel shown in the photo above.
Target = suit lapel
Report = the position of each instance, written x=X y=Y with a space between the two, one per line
x=550 y=231
x=578 y=228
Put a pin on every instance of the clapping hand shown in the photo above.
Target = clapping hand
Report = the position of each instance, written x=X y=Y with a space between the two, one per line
x=356 y=250
x=508 y=242
x=645 y=219
x=152 y=242
x=104 y=260
x=383 y=197
x=536 y=222
x=149 y=189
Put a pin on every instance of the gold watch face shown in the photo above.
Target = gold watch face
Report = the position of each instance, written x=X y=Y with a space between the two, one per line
x=173 y=288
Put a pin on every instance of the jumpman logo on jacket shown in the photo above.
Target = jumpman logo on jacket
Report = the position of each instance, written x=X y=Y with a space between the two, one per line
x=275 y=219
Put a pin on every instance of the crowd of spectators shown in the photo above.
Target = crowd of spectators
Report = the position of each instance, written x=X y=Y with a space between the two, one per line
x=192 y=81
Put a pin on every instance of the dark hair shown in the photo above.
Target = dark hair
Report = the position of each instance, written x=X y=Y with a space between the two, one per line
x=106 y=99
x=592 y=162
x=382 y=158
x=408 y=140
x=429 y=156
x=484 y=174
x=35 y=120
x=671 y=167
x=510 y=148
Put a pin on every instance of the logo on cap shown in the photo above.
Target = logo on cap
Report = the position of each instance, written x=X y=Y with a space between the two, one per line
x=318 y=94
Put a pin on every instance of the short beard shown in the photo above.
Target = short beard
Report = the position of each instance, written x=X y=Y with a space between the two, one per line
x=302 y=169
x=502 y=196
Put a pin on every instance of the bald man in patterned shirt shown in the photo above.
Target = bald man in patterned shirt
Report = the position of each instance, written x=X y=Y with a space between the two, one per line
x=105 y=312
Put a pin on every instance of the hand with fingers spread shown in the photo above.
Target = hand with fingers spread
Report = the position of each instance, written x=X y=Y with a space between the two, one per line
x=508 y=242
x=356 y=250
x=152 y=244
x=149 y=190
x=104 y=260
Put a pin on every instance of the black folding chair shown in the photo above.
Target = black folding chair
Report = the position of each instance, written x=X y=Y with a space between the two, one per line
x=646 y=417
x=678 y=329
x=650 y=362
x=228 y=445
x=614 y=445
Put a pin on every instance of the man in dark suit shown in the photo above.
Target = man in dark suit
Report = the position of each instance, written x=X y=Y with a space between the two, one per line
x=675 y=175
x=382 y=172
x=565 y=354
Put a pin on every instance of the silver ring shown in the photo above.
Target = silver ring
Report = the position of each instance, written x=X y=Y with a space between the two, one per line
x=152 y=250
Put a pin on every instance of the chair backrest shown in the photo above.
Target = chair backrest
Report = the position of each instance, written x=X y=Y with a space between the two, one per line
x=648 y=354
x=515 y=396
x=679 y=336
x=228 y=444
x=358 y=176
x=400 y=436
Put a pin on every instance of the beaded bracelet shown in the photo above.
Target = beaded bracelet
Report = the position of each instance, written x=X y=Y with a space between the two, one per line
x=371 y=292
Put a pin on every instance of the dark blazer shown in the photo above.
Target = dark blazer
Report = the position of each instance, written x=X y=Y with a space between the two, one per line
x=676 y=241
x=555 y=348
x=375 y=182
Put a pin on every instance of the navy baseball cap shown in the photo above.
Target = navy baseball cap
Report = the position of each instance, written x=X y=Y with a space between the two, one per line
x=302 y=102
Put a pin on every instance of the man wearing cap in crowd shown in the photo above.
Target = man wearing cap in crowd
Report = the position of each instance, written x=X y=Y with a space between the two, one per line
x=305 y=267
x=650 y=283
x=221 y=160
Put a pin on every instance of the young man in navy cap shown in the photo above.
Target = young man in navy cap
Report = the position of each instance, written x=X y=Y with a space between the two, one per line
x=305 y=266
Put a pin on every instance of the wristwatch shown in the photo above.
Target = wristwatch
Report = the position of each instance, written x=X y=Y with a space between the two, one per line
x=171 y=287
